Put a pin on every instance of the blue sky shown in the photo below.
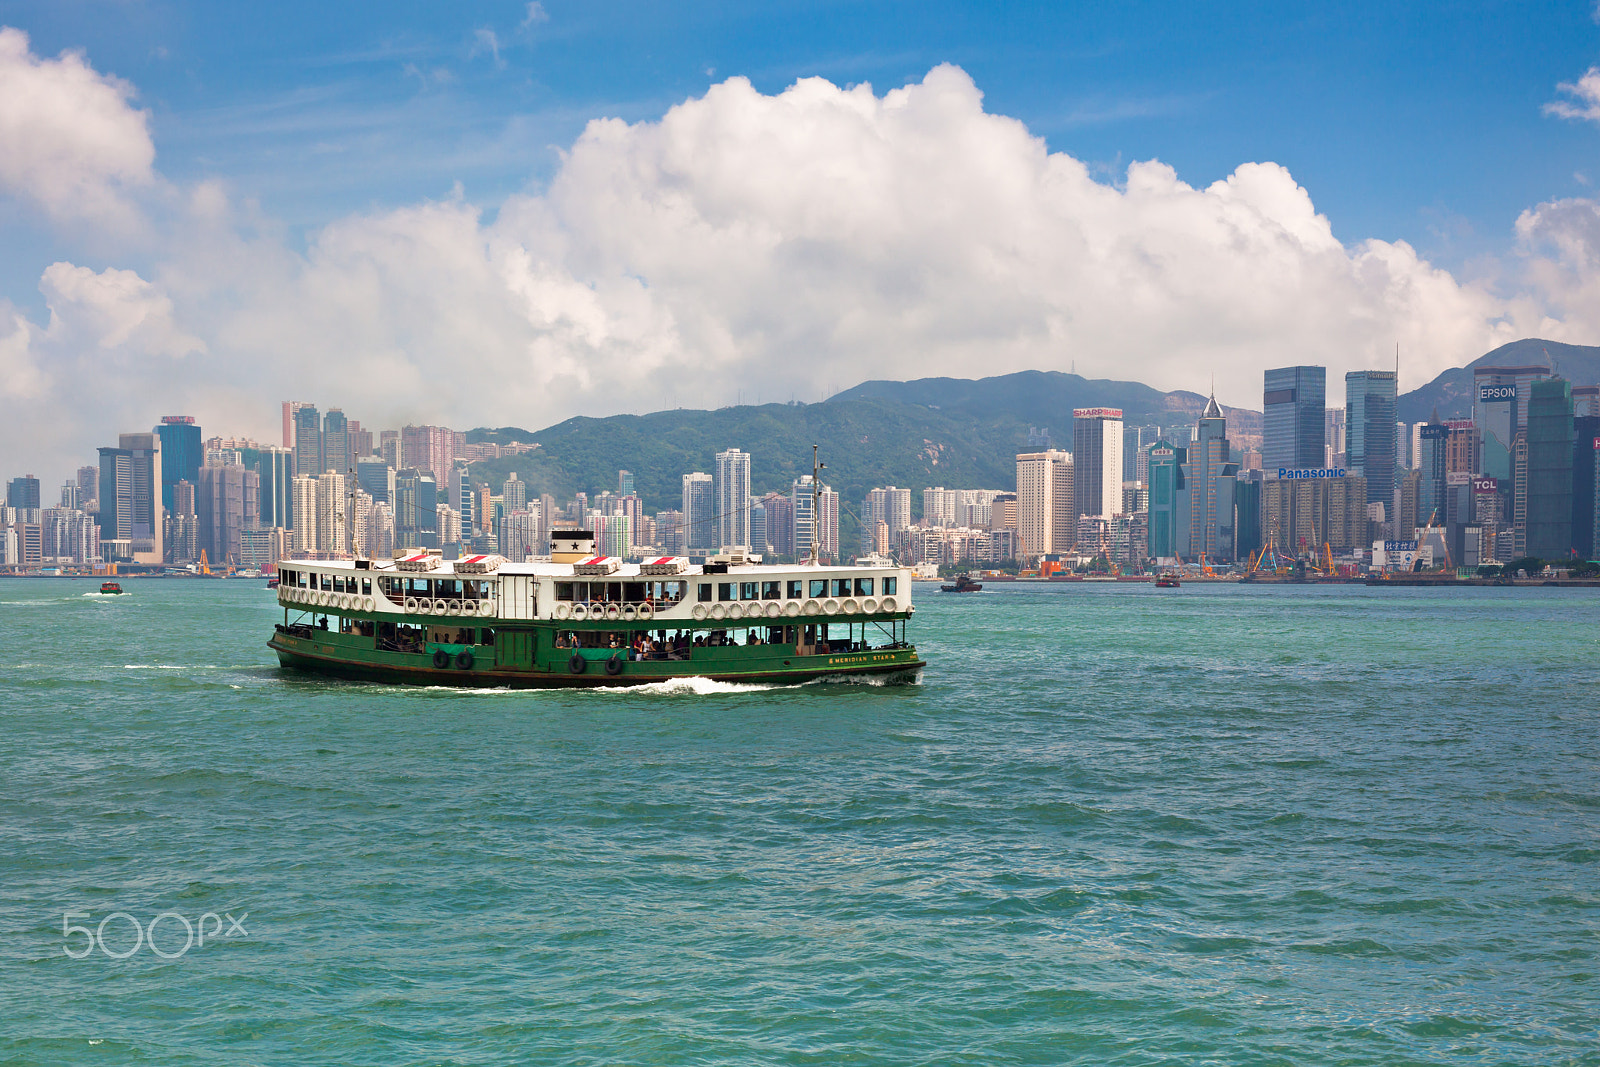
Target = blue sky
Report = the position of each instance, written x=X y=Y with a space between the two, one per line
x=611 y=207
x=1413 y=122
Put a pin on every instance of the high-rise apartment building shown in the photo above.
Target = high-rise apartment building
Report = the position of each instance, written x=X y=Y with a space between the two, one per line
x=331 y=518
x=1333 y=439
x=1046 y=514
x=1294 y=418
x=304 y=508
x=336 y=455
x=130 y=499
x=732 y=488
x=22 y=492
x=1370 y=430
x=780 y=522
x=821 y=524
x=181 y=454
x=308 y=442
x=624 y=483
x=429 y=448
x=1097 y=461
x=1586 y=484
x=1550 y=447
x=699 y=513
x=226 y=503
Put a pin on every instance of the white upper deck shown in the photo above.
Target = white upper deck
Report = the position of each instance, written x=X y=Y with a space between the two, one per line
x=577 y=586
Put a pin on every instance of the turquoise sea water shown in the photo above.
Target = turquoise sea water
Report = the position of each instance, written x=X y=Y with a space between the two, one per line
x=1113 y=825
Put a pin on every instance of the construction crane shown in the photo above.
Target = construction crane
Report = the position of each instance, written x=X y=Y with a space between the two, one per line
x=204 y=566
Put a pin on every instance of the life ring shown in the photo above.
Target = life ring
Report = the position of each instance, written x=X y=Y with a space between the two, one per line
x=629 y=612
x=888 y=603
x=718 y=611
x=735 y=611
x=850 y=607
x=869 y=606
x=831 y=607
x=441 y=607
x=614 y=665
x=464 y=660
x=486 y=608
x=580 y=611
x=366 y=603
x=452 y=607
x=577 y=664
x=441 y=659
x=647 y=610
x=774 y=610
x=812 y=608
x=411 y=605
x=792 y=608
x=699 y=612
x=563 y=611
x=613 y=612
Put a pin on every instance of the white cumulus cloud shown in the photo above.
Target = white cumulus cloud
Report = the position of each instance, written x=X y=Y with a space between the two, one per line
x=70 y=141
x=769 y=246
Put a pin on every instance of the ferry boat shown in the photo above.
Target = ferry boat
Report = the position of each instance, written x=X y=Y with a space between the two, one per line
x=964 y=583
x=110 y=587
x=1167 y=580
x=578 y=619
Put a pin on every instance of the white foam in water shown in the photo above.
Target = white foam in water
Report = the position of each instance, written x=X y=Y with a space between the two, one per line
x=691 y=687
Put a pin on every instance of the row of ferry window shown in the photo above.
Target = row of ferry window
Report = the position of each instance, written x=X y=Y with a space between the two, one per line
x=669 y=592
x=333 y=583
x=396 y=587
x=815 y=588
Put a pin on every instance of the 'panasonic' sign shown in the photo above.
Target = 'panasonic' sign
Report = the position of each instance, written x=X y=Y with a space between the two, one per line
x=1315 y=472
x=1497 y=392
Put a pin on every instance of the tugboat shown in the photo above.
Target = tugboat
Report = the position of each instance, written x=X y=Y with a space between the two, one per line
x=110 y=587
x=1169 y=580
x=963 y=584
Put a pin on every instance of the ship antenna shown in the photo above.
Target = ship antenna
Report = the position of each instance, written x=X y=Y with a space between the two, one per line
x=350 y=512
x=816 y=497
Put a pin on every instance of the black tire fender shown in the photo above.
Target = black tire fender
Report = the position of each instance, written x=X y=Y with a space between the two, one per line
x=614 y=665
x=441 y=659
x=463 y=660
x=577 y=664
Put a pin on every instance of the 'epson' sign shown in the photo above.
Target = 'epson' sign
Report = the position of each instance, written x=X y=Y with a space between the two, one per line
x=1491 y=393
x=1316 y=472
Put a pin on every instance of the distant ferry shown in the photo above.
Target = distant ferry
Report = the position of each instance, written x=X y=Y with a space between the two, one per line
x=1167 y=580
x=110 y=587
x=581 y=619
x=963 y=584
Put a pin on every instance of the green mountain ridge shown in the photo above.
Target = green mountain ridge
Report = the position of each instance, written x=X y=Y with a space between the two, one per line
x=953 y=432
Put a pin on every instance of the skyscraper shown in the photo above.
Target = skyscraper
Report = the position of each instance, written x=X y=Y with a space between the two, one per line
x=22 y=492
x=1169 y=503
x=624 y=483
x=733 y=498
x=1211 y=478
x=1433 y=467
x=130 y=498
x=1550 y=448
x=429 y=448
x=1586 y=484
x=226 y=499
x=1369 y=428
x=336 y=442
x=1294 y=418
x=1047 y=520
x=376 y=478
x=181 y=452
x=275 y=480
x=307 y=442
x=699 y=513
x=1097 y=461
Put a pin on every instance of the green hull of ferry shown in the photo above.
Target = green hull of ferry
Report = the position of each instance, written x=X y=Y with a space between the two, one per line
x=528 y=656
